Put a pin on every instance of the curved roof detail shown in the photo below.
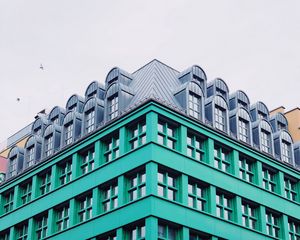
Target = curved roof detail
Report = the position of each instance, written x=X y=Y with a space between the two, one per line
x=56 y=111
x=239 y=97
x=219 y=83
x=196 y=71
x=95 y=89
x=91 y=102
x=70 y=116
x=284 y=135
x=39 y=123
x=195 y=88
x=263 y=124
x=15 y=151
x=218 y=100
x=115 y=73
x=51 y=128
x=241 y=112
x=33 y=139
x=279 y=117
x=74 y=100
x=260 y=106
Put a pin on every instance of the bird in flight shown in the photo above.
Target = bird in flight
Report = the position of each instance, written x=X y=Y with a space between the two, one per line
x=41 y=67
x=18 y=99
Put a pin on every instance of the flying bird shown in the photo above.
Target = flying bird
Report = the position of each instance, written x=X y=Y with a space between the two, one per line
x=18 y=99
x=41 y=67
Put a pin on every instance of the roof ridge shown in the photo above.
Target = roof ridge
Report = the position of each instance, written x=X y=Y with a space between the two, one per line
x=155 y=61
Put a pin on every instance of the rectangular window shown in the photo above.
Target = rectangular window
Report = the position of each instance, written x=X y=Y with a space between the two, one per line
x=197 y=195
x=30 y=160
x=90 y=121
x=22 y=232
x=246 y=169
x=26 y=191
x=194 y=105
x=167 y=185
x=222 y=159
x=4 y=235
x=112 y=148
x=195 y=235
x=109 y=197
x=68 y=133
x=8 y=201
x=249 y=215
x=269 y=179
x=45 y=182
x=167 y=134
x=220 y=120
x=87 y=161
x=85 y=208
x=137 y=135
x=195 y=147
x=107 y=236
x=13 y=166
x=286 y=152
x=113 y=106
x=65 y=172
x=294 y=229
x=224 y=206
x=136 y=232
x=167 y=232
x=41 y=230
x=243 y=130
x=63 y=216
x=265 y=141
x=49 y=145
x=137 y=185
x=290 y=188
x=273 y=224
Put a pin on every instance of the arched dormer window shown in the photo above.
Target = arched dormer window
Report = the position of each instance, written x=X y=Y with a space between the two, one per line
x=75 y=103
x=33 y=150
x=283 y=146
x=259 y=111
x=56 y=116
x=262 y=136
x=216 y=112
x=51 y=140
x=297 y=153
x=71 y=127
x=240 y=124
x=93 y=114
x=279 y=122
x=118 y=75
x=218 y=87
x=95 y=89
x=15 y=161
x=39 y=125
x=239 y=99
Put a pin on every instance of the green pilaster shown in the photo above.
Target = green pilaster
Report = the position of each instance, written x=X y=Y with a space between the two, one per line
x=210 y=151
x=212 y=200
x=185 y=233
x=151 y=178
x=54 y=177
x=258 y=173
x=120 y=234
x=262 y=219
x=280 y=180
x=12 y=234
x=73 y=212
x=151 y=126
x=182 y=139
x=98 y=160
x=235 y=163
x=34 y=186
x=30 y=229
x=96 y=201
x=238 y=210
x=151 y=228
x=121 y=190
x=75 y=165
x=284 y=227
x=51 y=221
x=184 y=189
x=17 y=192
x=214 y=238
x=123 y=140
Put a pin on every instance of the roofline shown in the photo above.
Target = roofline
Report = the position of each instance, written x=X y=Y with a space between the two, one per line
x=154 y=61
x=296 y=108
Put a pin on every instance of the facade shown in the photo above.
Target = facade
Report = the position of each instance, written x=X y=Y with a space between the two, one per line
x=155 y=154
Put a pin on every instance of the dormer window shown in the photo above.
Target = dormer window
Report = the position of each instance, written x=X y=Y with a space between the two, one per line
x=30 y=152
x=243 y=130
x=38 y=131
x=49 y=145
x=13 y=166
x=194 y=105
x=286 y=152
x=220 y=119
x=113 y=106
x=90 y=121
x=55 y=120
x=68 y=133
x=265 y=141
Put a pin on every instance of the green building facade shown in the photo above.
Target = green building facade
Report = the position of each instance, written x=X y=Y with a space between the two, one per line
x=151 y=171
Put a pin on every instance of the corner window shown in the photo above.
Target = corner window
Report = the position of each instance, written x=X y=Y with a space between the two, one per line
x=220 y=118
x=286 y=152
x=65 y=172
x=249 y=215
x=246 y=169
x=290 y=188
x=294 y=229
x=197 y=195
x=224 y=206
x=22 y=232
x=26 y=191
x=194 y=105
x=85 y=207
x=222 y=159
x=195 y=147
x=68 y=133
x=137 y=135
x=167 y=134
x=269 y=179
x=87 y=161
x=49 y=145
x=265 y=141
x=90 y=121
x=243 y=130
x=8 y=201
x=109 y=197
x=137 y=185
x=41 y=230
x=45 y=182
x=113 y=106
x=111 y=148
x=63 y=217
x=273 y=224
x=167 y=185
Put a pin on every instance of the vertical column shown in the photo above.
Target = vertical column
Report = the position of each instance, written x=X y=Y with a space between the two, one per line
x=212 y=200
x=235 y=163
x=34 y=187
x=151 y=126
x=151 y=178
x=54 y=177
x=96 y=201
x=185 y=233
x=182 y=139
x=51 y=221
x=123 y=140
x=284 y=227
x=121 y=190
x=30 y=229
x=75 y=165
x=12 y=234
x=120 y=234
x=73 y=212
x=262 y=219
x=280 y=182
x=98 y=159
x=17 y=193
x=238 y=210
x=210 y=151
x=258 y=173
x=184 y=190
x=151 y=228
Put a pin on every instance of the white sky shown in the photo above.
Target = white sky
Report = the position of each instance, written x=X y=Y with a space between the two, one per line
x=253 y=45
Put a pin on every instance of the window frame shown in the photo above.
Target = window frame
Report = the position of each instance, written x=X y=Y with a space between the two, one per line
x=87 y=160
x=197 y=196
x=85 y=210
x=272 y=225
x=8 y=204
x=109 y=196
x=111 y=147
x=62 y=222
x=250 y=217
x=246 y=169
x=41 y=227
x=164 y=137
x=194 y=105
x=113 y=106
x=90 y=123
x=225 y=205
x=166 y=187
x=65 y=172
x=137 y=134
x=26 y=192
x=45 y=182
x=220 y=162
x=195 y=146
x=220 y=118
x=269 y=181
x=136 y=185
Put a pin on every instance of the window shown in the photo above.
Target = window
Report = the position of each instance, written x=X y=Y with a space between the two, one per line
x=194 y=105
x=286 y=152
x=221 y=161
x=220 y=118
x=224 y=206
x=137 y=233
x=108 y=236
x=243 y=130
x=197 y=195
x=45 y=182
x=294 y=229
x=22 y=232
x=55 y=120
x=167 y=185
x=137 y=186
x=85 y=208
x=49 y=145
x=167 y=232
x=8 y=201
x=63 y=215
x=273 y=224
x=290 y=188
x=195 y=147
x=113 y=106
x=269 y=181
x=265 y=141
x=195 y=235
x=246 y=169
x=26 y=192
x=249 y=215
x=65 y=172
x=13 y=166
x=110 y=197
x=87 y=161
x=30 y=152
x=68 y=133
x=112 y=148
x=167 y=134
x=90 y=121
x=41 y=227
x=137 y=135
x=4 y=235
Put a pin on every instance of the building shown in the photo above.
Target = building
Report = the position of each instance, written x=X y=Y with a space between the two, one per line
x=155 y=154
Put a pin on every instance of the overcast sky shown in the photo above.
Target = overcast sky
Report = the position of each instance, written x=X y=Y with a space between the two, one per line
x=253 y=45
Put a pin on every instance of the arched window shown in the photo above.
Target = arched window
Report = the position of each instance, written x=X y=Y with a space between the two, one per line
x=279 y=122
x=259 y=111
x=95 y=89
x=15 y=161
x=283 y=146
x=51 y=140
x=195 y=100
x=71 y=127
x=113 y=106
x=239 y=99
x=93 y=114
x=56 y=116
x=75 y=103
x=262 y=136
x=32 y=150
x=39 y=125
x=218 y=87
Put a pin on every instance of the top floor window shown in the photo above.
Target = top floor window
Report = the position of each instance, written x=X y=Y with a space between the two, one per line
x=30 y=152
x=243 y=130
x=265 y=141
x=68 y=133
x=111 y=148
x=13 y=166
x=137 y=135
x=224 y=206
x=113 y=106
x=167 y=134
x=290 y=188
x=195 y=148
x=273 y=224
x=220 y=118
x=49 y=145
x=222 y=159
x=294 y=229
x=194 y=105
x=286 y=151
x=269 y=179
x=90 y=121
